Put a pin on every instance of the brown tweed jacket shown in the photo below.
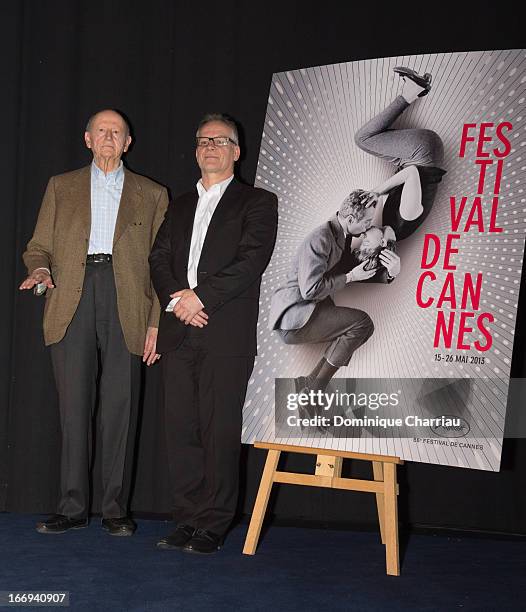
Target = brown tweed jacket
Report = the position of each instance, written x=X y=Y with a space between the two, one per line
x=60 y=243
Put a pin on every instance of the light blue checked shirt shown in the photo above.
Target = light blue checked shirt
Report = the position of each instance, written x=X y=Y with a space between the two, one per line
x=106 y=191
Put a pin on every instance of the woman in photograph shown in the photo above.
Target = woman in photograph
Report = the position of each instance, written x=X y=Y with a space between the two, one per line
x=376 y=249
x=417 y=154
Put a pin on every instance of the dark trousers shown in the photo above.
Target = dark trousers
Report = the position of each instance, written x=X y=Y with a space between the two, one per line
x=345 y=328
x=402 y=147
x=203 y=401
x=93 y=350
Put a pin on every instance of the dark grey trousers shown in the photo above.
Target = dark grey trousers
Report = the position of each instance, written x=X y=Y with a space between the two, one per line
x=402 y=147
x=345 y=328
x=94 y=351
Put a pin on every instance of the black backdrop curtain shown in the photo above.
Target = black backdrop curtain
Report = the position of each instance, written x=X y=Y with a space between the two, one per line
x=165 y=64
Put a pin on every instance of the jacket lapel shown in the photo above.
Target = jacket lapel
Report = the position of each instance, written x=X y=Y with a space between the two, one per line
x=81 y=195
x=338 y=233
x=188 y=223
x=225 y=209
x=131 y=199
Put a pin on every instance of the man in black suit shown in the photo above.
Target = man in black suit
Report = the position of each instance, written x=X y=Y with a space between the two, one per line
x=206 y=266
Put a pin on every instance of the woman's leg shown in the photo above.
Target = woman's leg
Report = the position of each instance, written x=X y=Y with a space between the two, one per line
x=401 y=147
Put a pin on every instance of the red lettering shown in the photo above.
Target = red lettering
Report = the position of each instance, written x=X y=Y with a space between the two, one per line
x=493 y=229
x=428 y=239
x=470 y=292
x=485 y=331
x=456 y=216
x=419 y=288
x=464 y=329
x=503 y=139
x=475 y=216
x=450 y=251
x=443 y=329
x=482 y=139
x=483 y=163
x=448 y=292
x=464 y=139
x=498 y=176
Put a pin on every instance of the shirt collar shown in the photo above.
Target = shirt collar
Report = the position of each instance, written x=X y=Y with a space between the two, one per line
x=218 y=188
x=112 y=177
x=337 y=230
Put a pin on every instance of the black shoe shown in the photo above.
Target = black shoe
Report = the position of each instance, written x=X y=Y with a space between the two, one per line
x=423 y=81
x=122 y=526
x=304 y=385
x=178 y=538
x=203 y=542
x=301 y=384
x=58 y=523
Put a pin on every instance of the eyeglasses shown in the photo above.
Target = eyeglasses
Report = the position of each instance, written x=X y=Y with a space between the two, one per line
x=217 y=141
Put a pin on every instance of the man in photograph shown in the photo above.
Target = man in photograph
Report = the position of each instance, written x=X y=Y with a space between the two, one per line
x=89 y=253
x=302 y=308
x=206 y=266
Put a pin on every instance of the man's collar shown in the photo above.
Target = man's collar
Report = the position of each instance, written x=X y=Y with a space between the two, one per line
x=337 y=230
x=111 y=177
x=337 y=217
x=217 y=188
x=335 y=223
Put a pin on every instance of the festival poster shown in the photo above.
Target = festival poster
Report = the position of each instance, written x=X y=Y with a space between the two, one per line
x=387 y=312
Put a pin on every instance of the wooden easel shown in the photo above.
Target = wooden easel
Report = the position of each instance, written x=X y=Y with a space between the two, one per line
x=328 y=474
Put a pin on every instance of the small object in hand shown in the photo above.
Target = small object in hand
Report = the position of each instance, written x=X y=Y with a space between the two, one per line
x=40 y=289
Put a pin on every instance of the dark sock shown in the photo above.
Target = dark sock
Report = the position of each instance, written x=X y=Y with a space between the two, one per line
x=323 y=372
x=317 y=368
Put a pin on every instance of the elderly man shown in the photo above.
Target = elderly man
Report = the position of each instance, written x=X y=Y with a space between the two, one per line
x=89 y=252
x=206 y=266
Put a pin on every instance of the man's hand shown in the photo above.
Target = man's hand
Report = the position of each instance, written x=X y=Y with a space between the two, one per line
x=200 y=319
x=150 y=345
x=391 y=261
x=359 y=274
x=40 y=275
x=370 y=198
x=189 y=309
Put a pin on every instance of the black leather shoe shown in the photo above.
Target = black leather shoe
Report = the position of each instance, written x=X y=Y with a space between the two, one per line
x=304 y=385
x=203 y=542
x=178 y=538
x=122 y=526
x=301 y=384
x=58 y=523
x=423 y=81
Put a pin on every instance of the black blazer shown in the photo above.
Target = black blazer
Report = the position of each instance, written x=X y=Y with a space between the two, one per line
x=237 y=248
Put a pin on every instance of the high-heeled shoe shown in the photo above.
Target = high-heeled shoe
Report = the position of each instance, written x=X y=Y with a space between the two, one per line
x=422 y=81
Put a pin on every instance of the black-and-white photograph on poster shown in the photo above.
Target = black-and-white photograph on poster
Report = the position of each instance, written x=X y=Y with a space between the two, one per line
x=399 y=254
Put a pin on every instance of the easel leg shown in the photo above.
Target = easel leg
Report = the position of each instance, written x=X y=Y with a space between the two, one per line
x=391 y=520
x=378 y=474
x=260 y=507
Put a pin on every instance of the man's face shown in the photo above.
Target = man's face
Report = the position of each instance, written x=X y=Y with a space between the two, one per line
x=355 y=227
x=217 y=160
x=107 y=136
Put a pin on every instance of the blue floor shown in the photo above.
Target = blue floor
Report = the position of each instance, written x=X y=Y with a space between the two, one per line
x=294 y=569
